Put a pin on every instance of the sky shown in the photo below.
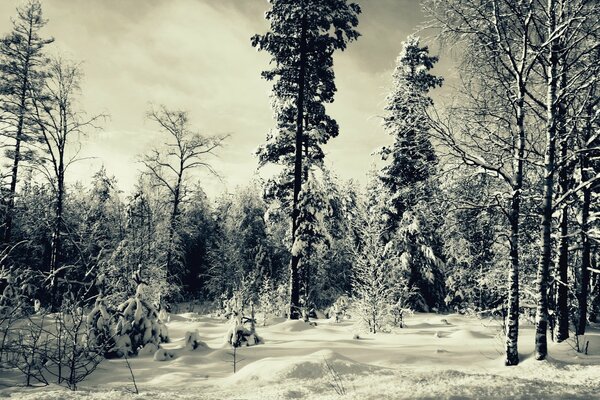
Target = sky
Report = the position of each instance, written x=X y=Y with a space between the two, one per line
x=195 y=55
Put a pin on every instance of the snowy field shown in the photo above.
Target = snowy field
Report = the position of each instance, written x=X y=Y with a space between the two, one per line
x=435 y=356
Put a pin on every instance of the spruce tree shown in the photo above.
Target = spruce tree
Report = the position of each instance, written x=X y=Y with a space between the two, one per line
x=406 y=178
x=410 y=159
x=302 y=39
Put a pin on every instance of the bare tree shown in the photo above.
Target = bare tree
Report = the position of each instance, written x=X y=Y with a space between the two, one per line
x=185 y=151
x=60 y=123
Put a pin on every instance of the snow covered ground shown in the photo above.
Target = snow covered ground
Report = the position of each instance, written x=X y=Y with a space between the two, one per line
x=435 y=356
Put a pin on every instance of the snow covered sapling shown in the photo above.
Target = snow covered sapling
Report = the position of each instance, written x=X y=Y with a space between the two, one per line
x=28 y=355
x=398 y=312
x=272 y=299
x=239 y=335
x=137 y=323
x=9 y=306
x=375 y=280
x=339 y=309
x=242 y=331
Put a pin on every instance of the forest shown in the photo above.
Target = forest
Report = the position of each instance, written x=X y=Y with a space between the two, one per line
x=482 y=208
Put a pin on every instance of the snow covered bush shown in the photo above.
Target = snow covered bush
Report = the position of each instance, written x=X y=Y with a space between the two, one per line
x=16 y=292
x=100 y=326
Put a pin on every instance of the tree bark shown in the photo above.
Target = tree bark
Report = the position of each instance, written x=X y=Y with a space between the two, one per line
x=56 y=236
x=173 y=220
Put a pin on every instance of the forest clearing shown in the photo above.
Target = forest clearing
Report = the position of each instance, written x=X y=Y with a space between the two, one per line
x=299 y=199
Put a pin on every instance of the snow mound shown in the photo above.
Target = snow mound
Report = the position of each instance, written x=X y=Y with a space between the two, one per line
x=309 y=367
x=163 y=355
x=468 y=334
x=293 y=326
x=193 y=342
x=148 y=350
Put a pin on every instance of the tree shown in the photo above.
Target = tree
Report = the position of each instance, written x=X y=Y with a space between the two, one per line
x=411 y=159
x=571 y=36
x=498 y=63
x=376 y=280
x=471 y=233
x=240 y=243
x=589 y=156
x=60 y=123
x=138 y=248
x=22 y=67
x=311 y=235
x=302 y=39
x=411 y=165
x=169 y=168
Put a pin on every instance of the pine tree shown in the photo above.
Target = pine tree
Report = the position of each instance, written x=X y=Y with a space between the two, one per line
x=138 y=323
x=303 y=37
x=311 y=235
x=22 y=67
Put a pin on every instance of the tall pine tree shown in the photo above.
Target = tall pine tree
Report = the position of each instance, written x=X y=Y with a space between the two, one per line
x=303 y=36
x=22 y=64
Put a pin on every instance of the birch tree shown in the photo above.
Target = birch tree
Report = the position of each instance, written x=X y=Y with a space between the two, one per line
x=571 y=27
x=497 y=37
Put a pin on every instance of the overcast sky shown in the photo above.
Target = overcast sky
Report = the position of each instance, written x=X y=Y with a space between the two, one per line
x=196 y=55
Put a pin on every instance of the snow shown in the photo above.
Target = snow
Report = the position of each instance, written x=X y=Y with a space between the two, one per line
x=434 y=356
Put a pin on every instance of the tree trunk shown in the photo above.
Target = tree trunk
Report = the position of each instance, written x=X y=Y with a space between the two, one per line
x=586 y=195
x=543 y=272
x=562 y=302
x=294 y=264
x=56 y=239
x=512 y=320
x=173 y=223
